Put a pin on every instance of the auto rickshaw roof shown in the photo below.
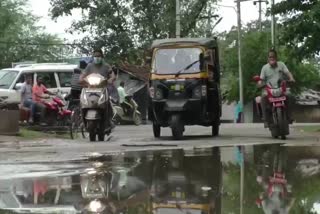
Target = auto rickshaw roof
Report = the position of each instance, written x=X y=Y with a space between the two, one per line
x=208 y=42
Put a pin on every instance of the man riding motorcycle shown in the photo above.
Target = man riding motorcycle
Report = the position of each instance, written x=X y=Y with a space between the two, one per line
x=100 y=67
x=271 y=73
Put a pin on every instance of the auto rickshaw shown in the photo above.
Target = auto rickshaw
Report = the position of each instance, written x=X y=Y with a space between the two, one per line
x=184 y=85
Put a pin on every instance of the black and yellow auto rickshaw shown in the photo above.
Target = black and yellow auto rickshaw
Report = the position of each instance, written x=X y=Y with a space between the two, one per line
x=184 y=85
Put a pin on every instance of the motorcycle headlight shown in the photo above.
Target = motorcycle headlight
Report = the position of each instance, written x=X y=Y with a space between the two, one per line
x=94 y=80
x=276 y=92
x=96 y=206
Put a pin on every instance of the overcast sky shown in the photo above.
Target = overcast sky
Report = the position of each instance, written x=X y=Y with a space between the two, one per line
x=41 y=9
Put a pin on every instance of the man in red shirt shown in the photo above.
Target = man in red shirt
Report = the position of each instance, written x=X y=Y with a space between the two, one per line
x=40 y=92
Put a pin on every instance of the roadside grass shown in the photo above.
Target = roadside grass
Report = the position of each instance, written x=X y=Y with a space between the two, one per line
x=30 y=134
x=310 y=129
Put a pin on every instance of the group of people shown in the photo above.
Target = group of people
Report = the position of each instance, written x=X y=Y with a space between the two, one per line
x=32 y=95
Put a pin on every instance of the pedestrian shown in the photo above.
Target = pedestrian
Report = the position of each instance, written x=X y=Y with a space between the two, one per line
x=238 y=112
x=122 y=98
x=26 y=97
x=76 y=87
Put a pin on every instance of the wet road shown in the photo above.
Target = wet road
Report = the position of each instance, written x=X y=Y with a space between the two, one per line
x=137 y=138
x=196 y=181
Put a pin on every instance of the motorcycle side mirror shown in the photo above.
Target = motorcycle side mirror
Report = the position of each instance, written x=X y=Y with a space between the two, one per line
x=256 y=78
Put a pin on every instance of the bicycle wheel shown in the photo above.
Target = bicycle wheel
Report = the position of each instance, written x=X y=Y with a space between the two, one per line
x=75 y=125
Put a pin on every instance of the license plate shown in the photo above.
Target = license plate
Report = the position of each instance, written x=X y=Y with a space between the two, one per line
x=93 y=90
x=277 y=99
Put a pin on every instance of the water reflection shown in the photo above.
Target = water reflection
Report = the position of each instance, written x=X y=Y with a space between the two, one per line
x=277 y=179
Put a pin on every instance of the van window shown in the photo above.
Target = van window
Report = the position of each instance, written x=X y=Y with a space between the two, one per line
x=65 y=79
x=7 y=77
x=21 y=79
x=48 y=79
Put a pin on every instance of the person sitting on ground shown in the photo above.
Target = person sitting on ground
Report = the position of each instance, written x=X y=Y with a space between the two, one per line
x=26 y=97
x=40 y=92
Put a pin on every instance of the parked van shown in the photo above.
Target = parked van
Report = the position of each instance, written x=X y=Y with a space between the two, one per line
x=56 y=77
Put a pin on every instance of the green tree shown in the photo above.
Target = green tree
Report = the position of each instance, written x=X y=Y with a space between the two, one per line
x=300 y=28
x=124 y=28
x=21 y=39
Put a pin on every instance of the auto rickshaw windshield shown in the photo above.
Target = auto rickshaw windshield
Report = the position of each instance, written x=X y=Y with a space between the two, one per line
x=172 y=61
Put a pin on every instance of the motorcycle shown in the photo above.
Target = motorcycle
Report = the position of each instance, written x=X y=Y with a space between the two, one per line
x=94 y=102
x=56 y=113
x=279 y=126
x=132 y=114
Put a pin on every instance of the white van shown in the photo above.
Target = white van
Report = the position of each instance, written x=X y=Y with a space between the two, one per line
x=56 y=77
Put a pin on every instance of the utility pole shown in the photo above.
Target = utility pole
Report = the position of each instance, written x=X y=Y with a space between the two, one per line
x=178 y=19
x=241 y=100
x=272 y=26
x=260 y=18
x=260 y=11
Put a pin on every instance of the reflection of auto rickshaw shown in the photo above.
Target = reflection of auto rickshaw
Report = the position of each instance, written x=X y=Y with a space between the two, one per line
x=179 y=185
x=184 y=85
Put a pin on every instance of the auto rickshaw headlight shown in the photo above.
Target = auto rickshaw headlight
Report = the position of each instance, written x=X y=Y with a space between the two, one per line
x=158 y=94
x=197 y=92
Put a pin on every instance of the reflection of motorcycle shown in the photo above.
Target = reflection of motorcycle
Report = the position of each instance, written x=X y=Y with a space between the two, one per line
x=128 y=112
x=279 y=126
x=276 y=196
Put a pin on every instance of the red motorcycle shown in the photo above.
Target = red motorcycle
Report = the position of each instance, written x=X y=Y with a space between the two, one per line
x=56 y=114
x=279 y=125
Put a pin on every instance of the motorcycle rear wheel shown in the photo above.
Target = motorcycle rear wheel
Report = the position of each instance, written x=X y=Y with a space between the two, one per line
x=137 y=119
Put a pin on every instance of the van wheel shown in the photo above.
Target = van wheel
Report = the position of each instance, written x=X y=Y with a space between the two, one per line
x=156 y=130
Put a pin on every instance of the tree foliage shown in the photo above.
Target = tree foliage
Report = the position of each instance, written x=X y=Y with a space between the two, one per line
x=300 y=26
x=20 y=37
x=124 y=28
x=255 y=46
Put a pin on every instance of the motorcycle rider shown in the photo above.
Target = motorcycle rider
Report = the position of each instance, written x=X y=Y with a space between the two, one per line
x=40 y=92
x=101 y=67
x=271 y=73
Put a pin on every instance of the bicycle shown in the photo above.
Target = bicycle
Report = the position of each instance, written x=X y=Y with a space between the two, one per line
x=77 y=128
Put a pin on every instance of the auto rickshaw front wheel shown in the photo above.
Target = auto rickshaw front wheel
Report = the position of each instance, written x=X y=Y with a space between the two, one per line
x=156 y=130
x=177 y=127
